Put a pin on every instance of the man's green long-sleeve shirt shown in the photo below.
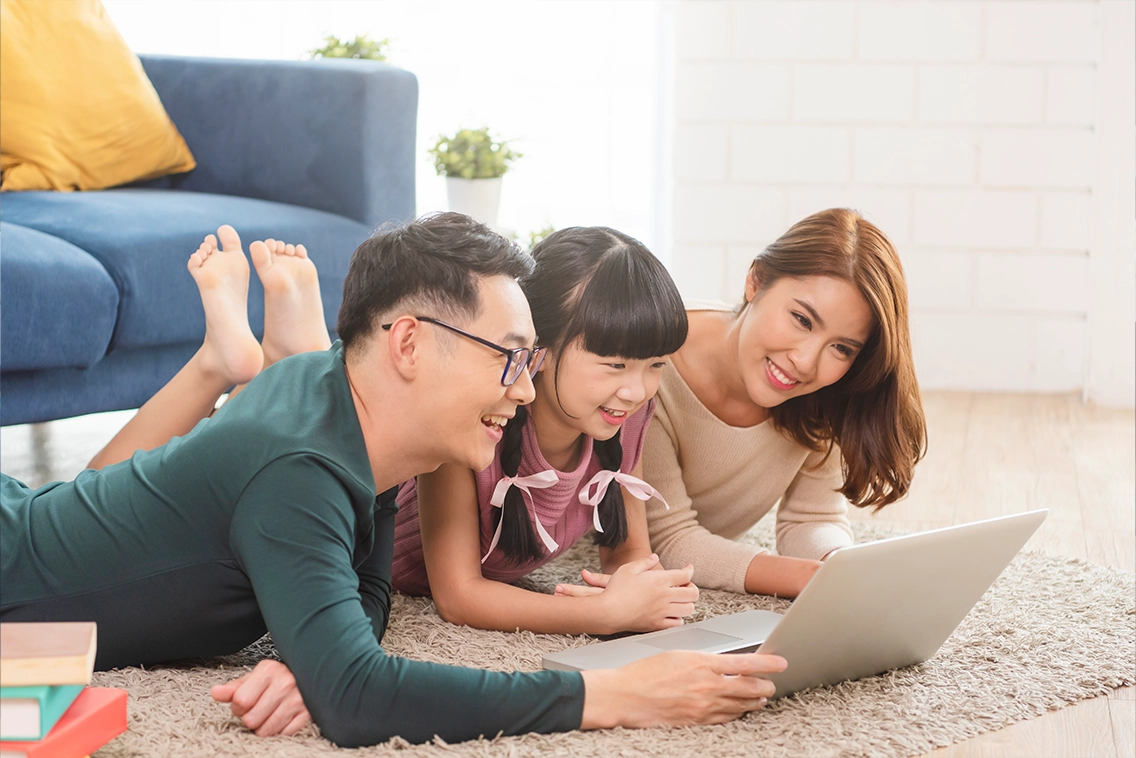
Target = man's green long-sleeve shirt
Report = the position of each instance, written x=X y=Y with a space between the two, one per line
x=264 y=516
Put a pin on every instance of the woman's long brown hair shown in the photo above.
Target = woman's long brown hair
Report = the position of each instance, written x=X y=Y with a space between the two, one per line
x=874 y=412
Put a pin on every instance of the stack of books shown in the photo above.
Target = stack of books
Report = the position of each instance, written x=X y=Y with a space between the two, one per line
x=47 y=709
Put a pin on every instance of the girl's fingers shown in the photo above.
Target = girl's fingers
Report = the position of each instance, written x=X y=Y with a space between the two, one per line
x=683 y=594
x=595 y=579
x=575 y=590
x=679 y=577
x=682 y=610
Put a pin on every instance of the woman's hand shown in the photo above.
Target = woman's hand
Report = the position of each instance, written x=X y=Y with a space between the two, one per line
x=678 y=688
x=266 y=700
x=639 y=598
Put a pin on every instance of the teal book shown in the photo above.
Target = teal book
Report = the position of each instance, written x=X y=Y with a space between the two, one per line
x=28 y=713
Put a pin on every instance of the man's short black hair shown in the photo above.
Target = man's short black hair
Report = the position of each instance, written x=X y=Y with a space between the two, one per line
x=431 y=265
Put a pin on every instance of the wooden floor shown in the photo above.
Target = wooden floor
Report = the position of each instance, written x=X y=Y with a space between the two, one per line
x=989 y=455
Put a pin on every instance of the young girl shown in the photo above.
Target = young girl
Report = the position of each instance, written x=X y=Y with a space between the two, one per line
x=608 y=314
x=804 y=395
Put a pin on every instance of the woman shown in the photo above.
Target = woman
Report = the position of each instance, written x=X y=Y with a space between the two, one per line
x=804 y=395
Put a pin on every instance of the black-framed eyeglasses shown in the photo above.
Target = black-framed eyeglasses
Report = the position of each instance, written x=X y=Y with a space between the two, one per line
x=517 y=358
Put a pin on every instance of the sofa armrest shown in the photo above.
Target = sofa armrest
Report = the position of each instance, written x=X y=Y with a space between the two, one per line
x=334 y=135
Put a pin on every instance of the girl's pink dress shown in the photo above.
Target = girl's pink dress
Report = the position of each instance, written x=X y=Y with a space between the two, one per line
x=558 y=507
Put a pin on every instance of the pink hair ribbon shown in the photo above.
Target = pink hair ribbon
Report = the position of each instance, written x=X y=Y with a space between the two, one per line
x=525 y=484
x=638 y=489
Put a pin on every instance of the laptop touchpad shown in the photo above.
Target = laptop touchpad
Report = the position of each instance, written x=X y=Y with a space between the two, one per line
x=689 y=639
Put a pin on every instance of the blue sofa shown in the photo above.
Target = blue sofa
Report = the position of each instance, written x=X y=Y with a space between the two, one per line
x=97 y=310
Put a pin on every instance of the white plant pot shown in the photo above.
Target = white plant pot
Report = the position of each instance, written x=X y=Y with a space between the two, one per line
x=476 y=198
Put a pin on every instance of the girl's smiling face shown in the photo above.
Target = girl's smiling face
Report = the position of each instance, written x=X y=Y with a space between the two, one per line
x=594 y=394
x=799 y=336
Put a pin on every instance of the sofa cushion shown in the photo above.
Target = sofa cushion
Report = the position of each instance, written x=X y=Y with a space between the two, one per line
x=143 y=237
x=122 y=379
x=59 y=303
x=76 y=108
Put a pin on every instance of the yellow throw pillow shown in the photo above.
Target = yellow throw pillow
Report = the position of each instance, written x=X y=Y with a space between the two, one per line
x=77 y=110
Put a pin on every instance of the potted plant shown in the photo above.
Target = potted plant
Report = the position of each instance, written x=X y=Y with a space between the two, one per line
x=473 y=163
x=362 y=47
x=536 y=235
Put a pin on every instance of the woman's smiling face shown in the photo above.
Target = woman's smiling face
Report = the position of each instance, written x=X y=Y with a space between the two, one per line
x=799 y=336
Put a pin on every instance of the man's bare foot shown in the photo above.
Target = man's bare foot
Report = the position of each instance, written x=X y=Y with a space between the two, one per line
x=230 y=350
x=293 y=309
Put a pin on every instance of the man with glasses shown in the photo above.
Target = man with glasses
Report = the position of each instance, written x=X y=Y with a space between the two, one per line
x=278 y=514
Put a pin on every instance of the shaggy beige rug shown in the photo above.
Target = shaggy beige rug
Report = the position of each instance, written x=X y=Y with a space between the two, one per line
x=1050 y=632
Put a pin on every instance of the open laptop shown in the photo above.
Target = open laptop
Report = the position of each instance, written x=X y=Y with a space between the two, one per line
x=870 y=608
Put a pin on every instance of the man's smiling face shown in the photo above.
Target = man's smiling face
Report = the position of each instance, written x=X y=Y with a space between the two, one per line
x=472 y=404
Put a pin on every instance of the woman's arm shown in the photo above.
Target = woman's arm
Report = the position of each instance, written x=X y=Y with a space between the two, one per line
x=812 y=524
x=779 y=575
x=676 y=534
x=637 y=599
x=812 y=517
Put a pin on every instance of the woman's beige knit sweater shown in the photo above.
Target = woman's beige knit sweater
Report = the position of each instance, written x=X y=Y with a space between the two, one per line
x=720 y=480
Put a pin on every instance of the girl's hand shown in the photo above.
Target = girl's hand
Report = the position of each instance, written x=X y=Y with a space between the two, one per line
x=597 y=583
x=639 y=598
x=575 y=590
x=594 y=579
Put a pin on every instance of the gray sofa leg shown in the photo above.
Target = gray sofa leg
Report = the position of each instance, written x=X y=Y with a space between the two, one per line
x=41 y=451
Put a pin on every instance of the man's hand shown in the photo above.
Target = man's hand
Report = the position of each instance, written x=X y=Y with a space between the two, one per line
x=266 y=700
x=678 y=688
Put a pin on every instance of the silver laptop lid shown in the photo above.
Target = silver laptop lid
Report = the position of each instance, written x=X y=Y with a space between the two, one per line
x=883 y=605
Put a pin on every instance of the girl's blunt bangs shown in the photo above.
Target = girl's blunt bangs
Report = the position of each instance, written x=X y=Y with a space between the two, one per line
x=630 y=308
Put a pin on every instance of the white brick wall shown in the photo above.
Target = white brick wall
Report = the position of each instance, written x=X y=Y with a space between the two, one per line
x=790 y=154
x=1066 y=221
x=701 y=153
x=948 y=30
x=966 y=129
x=1071 y=96
x=975 y=218
x=915 y=156
x=852 y=92
x=793 y=29
x=728 y=213
x=1036 y=158
x=732 y=92
x=943 y=281
x=985 y=94
x=1042 y=31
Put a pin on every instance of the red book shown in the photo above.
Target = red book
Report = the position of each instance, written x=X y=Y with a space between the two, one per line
x=96 y=717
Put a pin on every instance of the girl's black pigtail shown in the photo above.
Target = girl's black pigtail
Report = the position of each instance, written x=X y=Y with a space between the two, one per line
x=613 y=517
x=519 y=541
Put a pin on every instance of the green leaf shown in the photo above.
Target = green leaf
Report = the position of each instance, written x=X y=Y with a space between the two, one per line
x=472 y=154
x=362 y=47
